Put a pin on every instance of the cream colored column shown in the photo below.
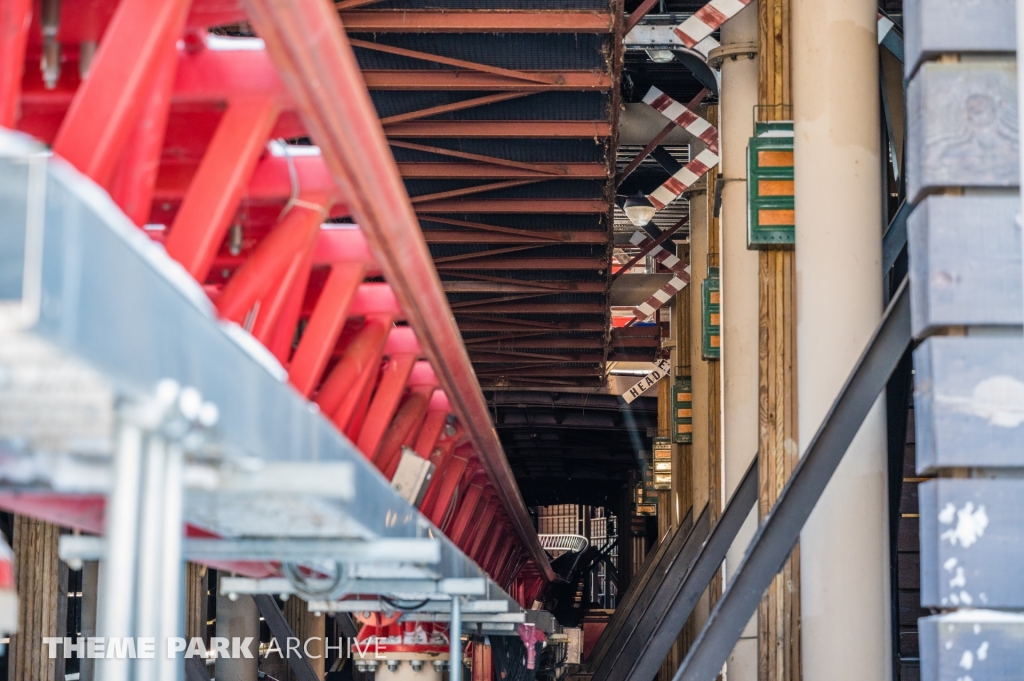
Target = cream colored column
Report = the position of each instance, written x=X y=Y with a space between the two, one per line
x=700 y=456
x=845 y=616
x=739 y=286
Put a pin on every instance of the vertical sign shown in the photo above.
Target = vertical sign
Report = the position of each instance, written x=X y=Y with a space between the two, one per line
x=662 y=463
x=682 y=410
x=711 y=313
x=770 y=202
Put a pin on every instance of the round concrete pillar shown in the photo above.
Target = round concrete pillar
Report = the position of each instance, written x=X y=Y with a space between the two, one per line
x=739 y=288
x=845 y=616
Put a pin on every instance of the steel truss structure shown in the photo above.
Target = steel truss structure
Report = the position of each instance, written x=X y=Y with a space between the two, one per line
x=160 y=129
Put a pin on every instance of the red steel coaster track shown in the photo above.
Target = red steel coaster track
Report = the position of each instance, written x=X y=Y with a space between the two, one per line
x=178 y=125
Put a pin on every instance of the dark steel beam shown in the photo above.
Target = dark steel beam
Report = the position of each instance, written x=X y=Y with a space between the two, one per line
x=648 y=643
x=564 y=206
x=779 y=531
x=490 y=171
x=439 y=237
x=638 y=596
x=512 y=324
x=453 y=106
x=487 y=307
x=279 y=629
x=476 y=21
x=517 y=129
x=555 y=343
x=408 y=79
x=523 y=287
x=527 y=264
x=510 y=357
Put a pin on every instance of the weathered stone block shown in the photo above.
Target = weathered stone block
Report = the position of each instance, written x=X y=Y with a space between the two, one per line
x=962 y=126
x=969 y=402
x=934 y=27
x=965 y=262
x=972 y=549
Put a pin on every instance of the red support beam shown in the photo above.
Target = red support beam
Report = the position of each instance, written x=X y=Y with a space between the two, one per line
x=268 y=263
x=341 y=389
x=15 y=19
x=135 y=178
x=477 y=21
x=496 y=537
x=106 y=106
x=441 y=456
x=385 y=402
x=482 y=530
x=449 y=478
x=311 y=51
x=213 y=196
x=467 y=511
x=279 y=312
x=407 y=421
x=325 y=324
x=433 y=426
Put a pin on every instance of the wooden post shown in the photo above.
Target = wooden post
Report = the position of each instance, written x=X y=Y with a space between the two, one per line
x=306 y=625
x=779 y=613
x=42 y=581
x=714 y=394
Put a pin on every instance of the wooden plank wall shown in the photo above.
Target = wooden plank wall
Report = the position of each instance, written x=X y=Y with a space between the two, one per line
x=779 y=612
x=42 y=580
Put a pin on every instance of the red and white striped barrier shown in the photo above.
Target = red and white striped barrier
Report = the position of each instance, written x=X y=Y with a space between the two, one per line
x=668 y=291
x=708 y=18
x=683 y=117
x=697 y=167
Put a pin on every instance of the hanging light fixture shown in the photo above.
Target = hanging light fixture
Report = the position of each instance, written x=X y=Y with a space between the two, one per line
x=639 y=209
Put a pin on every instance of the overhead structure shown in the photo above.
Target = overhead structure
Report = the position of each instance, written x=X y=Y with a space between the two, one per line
x=178 y=126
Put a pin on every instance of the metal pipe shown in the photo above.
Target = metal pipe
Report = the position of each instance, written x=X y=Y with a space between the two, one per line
x=308 y=46
x=455 y=641
x=150 y=542
x=171 y=615
x=118 y=569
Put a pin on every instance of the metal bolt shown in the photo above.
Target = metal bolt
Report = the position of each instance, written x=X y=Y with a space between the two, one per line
x=393 y=665
x=417 y=665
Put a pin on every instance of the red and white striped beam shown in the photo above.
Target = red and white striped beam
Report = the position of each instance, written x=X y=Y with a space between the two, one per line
x=678 y=282
x=707 y=159
x=707 y=19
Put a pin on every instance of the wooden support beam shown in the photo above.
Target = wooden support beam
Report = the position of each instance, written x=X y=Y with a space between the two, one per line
x=476 y=21
x=42 y=581
x=779 y=611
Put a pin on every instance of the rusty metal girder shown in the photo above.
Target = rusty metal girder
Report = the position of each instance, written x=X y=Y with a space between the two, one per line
x=477 y=21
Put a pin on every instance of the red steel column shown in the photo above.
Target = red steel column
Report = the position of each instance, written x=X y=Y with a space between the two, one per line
x=407 y=420
x=212 y=198
x=268 y=263
x=385 y=402
x=106 y=107
x=309 y=47
x=452 y=477
x=135 y=178
x=345 y=383
x=15 y=19
x=325 y=324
